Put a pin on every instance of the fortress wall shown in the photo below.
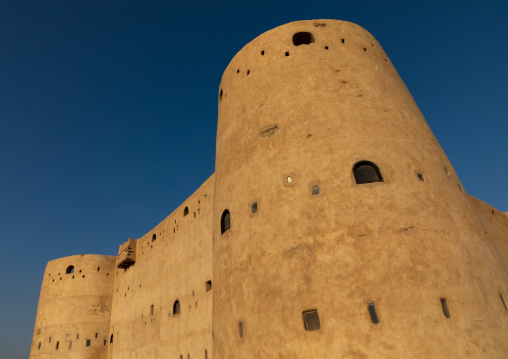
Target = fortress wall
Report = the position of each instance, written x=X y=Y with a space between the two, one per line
x=174 y=266
x=495 y=225
x=74 y=307
x=309 y=113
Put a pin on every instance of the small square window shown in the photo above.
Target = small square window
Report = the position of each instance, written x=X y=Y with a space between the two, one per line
x=88 y=342
x=311 y=320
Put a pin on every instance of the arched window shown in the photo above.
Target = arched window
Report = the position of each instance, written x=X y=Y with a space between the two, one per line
x=303 y=38
x=315 y=190
x=366 y=172
x=176 y=307
x=70 y=269
x=225 y=221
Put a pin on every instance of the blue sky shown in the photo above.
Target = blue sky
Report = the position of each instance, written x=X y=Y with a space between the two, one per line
x=108 y=113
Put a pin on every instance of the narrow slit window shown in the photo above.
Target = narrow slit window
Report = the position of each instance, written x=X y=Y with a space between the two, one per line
x=502 y=301
x=444 y=306
x=39 y=345
x=57 y=345
x=151 y=310
x=366 y=172
x=70 y=269
x=206 y=354
x=70 y=344
x=208 y=285
x=254 y=207
x=111 y=339
x=303 y=38
x=311 y=320
x=373 y=313
x=96 y=335
x=225 y=222
x=240 y=329
x=176 y=307
x=105 y=341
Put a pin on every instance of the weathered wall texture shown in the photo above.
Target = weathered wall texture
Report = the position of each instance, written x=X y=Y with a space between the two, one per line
x=310 y=112
x=74 y=308
x=294 y=121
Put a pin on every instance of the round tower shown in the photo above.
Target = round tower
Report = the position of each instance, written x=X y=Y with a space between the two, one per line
x=341 y=229
x=74 y=308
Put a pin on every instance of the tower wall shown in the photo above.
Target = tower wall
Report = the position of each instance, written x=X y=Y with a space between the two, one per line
x=294 y=117
x=74 y=308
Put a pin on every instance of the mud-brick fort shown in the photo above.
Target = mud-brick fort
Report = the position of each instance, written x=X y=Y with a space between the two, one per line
x=334 y=227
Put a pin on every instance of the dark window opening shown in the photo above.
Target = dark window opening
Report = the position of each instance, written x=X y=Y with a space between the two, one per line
x=303 y=38
x=254 y=207
x=88 y=342
x=151 y=310
x=238 y=71
x=366 y=172
x=248 y=72
x=240 y=329
x=311 y=320
x=262 y=53
x=287 y=53
x=57 y=345
x=444 y=306
x=225 y=222
x=176 y=307
x=206 y=354
x=98 y=269
x=49 y=340
x=364 y=49
x=105 y=341
x=96 y=335
x=315 y=190
x=154 y=237
x=208 y=285
x=111 y=339
x=39 y=345
x=420 y=177
x=70 y=344
x=220 y=95
x=373 y=313
x=326 y=47
x=185 y=211
x=70 y=269
x=342 y=40
x=504 y=303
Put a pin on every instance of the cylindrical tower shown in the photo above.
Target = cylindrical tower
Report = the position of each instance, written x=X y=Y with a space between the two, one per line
x=341 y=229
x=74 y=308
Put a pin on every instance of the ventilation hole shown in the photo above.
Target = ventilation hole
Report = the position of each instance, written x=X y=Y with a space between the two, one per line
x=185 y=211
x=254 y=207
x=303 y=38
x=326 y=47
x=154 y=237
x=220 y=95
x=373 y=313
x=225 y=221
x=70 y=269
x=444 y=306
x=364 y=49
x=263 y=53
x=366 y=172
x=248 y=72
x=176 y=307
x=504 y=303
x=342 y=40
x=315 y=190
x=208 y=285
x=311 y=320
x=240 y=329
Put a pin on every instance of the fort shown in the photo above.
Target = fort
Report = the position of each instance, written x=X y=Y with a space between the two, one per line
x=334 y=226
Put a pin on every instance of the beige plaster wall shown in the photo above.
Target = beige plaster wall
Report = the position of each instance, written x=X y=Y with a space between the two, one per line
x=174 y=266
x=74 y=307
x=403 y=243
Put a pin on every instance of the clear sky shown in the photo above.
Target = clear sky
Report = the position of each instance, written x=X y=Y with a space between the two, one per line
x=108 y=112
